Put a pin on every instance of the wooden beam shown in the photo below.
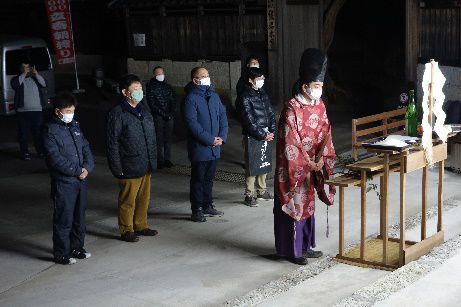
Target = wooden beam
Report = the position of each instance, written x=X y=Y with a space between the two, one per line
x=402 y=210
x=341 y=221
x=422 y=248
x=386 y=207
x=424 y=203
x=380 y=116
x=381 y=206
x=329 y=22
x=363 y=213
x=440 y=196
x=376 y=264
x=354 y=139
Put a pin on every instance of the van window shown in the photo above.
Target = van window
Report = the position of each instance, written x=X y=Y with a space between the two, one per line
x=36 y=56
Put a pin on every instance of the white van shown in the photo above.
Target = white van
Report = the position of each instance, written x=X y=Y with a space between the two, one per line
x=13 y=49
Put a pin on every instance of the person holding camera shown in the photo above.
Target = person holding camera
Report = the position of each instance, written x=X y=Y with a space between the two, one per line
x=162 y=103
x=29 y=100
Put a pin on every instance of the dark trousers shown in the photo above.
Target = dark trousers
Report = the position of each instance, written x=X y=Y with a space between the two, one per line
x=292 y=237
x=201 y=184
x=29 y=122
x=164 y=133
x=70 y=201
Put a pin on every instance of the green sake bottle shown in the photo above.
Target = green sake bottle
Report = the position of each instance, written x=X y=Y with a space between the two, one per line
x=411 y=116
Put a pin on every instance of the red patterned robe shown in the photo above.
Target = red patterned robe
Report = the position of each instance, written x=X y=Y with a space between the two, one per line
x=303 y=126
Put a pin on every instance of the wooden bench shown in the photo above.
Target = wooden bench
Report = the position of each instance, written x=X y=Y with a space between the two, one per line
x=371 y=128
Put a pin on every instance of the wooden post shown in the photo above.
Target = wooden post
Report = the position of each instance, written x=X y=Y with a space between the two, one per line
x=341 y=221
x=385 y=132
x=354 y=139
x=381 y=206
x=431 y=94
x=386 y=208
x=424 y=203
x=402 y=209
x=440 y=196
x=363 y=212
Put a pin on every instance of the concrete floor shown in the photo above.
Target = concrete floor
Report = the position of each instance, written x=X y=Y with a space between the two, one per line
x=187 y=264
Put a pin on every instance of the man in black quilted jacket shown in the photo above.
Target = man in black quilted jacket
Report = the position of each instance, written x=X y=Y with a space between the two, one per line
x=162 y=103
x=258 y=122
x=132 y=155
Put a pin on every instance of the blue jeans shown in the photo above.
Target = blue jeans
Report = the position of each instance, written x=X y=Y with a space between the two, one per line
x=201 y=184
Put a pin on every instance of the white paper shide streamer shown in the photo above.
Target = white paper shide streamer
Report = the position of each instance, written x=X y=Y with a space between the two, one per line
x=438 y=100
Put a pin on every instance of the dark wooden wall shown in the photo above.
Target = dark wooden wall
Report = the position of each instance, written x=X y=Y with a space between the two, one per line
x=440 y=32
x=195 y=32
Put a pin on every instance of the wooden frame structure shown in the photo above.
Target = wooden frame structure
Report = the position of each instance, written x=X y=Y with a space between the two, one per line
x=389 y=123
x=381 y=166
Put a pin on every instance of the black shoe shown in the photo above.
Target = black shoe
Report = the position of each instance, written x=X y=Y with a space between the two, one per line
x=168 y=164
x=129 y=237
x=265 y=196
x=147 y=232
x=312 y=254
x=64 y=260
x=250 y=201
x=80 y=253
x=197 y=216
x=211 y=211
x=26 y=157
x=299 y=261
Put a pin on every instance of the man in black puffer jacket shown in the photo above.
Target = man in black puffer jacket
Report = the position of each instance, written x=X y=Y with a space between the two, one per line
x=162 y=103
x=258 y=122
x=132 y=155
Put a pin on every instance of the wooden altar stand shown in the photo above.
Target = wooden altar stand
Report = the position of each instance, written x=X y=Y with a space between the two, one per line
x=381 y=165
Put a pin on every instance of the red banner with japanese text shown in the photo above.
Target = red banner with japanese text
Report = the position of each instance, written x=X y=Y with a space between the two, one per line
x=61 y=30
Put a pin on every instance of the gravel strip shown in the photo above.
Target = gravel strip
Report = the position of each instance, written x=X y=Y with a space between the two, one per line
x=283 y=284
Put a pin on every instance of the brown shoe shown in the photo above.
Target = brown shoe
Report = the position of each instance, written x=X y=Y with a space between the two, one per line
x=129 y=237
x=147 y=232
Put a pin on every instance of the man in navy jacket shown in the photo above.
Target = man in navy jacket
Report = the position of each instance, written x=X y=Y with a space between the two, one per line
x=206 y=121
x=69 y=160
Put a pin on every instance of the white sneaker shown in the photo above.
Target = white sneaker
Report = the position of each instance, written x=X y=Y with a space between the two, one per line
x=65 y=260
x=81 y=253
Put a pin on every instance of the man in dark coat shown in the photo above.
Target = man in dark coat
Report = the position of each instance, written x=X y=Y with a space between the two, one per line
x=162 y=103
x=132 y=155
x=258 y=122
x=207 y=125
x=69 y=160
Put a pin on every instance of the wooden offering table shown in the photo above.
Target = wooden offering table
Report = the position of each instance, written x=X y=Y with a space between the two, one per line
x=384 y=252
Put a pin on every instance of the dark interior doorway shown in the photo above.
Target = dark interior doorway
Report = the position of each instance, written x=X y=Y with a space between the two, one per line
x=367 y=56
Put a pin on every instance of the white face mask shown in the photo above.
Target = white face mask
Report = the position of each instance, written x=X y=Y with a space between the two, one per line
x=254 y=65
x=160 y=77
x=67 y=118
x=205 y=81
x=259 y=84
x=315 y=93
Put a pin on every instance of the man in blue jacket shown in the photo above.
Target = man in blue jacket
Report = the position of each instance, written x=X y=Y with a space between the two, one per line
x=69 y=160
x=206 y=121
